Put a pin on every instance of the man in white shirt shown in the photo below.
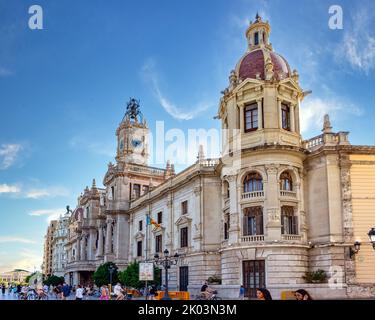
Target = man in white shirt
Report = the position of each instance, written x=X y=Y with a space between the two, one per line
x=79 y=293
x=118 y=292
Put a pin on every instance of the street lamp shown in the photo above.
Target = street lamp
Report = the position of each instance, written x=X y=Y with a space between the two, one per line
x=166 y=262
x=371 y=235
x=111 y=269
x=357 y=246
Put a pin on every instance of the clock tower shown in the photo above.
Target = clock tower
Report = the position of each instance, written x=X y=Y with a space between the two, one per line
x=132 y=136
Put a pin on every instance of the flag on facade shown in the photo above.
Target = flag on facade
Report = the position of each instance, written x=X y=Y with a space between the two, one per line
x=150 y=221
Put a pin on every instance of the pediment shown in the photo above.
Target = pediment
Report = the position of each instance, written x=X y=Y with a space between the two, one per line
x=290 y=84
x=139 y=235
x=248 y=84
x=183 y=220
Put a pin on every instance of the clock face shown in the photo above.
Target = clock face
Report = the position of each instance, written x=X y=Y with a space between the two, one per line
x=122 y=144
x=136 y=143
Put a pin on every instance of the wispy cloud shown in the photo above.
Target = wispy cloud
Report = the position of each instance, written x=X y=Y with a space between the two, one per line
x=8 y=155
x=150 y=75
x=314 y=109
x=25 y=259
x=50 y=214
x=49 y=192
x=5 y=72
x=5 y=188
x=15 y=239
x=358 y=44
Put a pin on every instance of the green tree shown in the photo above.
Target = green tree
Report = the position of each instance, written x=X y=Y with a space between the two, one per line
x=130 y=276
x=101 y=275
x=54 y=280
x=27 y=279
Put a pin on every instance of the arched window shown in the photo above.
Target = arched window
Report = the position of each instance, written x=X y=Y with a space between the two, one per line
x=253 y=182
x=253 y=221
x=286 y=182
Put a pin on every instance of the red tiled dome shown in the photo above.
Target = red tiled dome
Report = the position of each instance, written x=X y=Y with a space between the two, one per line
x=253 y=63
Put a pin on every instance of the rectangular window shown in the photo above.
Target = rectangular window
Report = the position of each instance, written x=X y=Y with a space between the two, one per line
x=146 y=189
x=289 y=222
x=253 y=221
x=256 y=38
x=136 y=191
x=285 y=116
x=251 y=117
x=140 y=225
x=184 y=207
x=184 y=237
x=160 y=217
x=158 y=243
x=139 y=249
x=113 y=192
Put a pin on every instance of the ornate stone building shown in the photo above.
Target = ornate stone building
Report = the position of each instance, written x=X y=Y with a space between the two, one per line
x=48 y=249
x=59 y=239
x=272 y=208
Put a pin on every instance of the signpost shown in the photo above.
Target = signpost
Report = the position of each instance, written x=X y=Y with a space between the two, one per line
x=146 y=273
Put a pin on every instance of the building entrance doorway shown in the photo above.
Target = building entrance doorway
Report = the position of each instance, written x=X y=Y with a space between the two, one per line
x=253 y=277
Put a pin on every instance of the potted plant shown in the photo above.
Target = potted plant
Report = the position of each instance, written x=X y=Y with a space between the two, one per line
x=318 y=276
x=214 y=280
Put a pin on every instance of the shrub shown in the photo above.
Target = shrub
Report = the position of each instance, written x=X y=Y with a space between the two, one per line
x=318 y=276
x=130 y=276
x=101 y=275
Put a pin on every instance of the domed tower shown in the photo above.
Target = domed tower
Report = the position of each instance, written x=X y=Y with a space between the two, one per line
x=263 y=97
x=262 y=171
x=132 y=136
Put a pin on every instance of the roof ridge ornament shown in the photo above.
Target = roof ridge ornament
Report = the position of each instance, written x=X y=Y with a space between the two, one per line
x=133 y=112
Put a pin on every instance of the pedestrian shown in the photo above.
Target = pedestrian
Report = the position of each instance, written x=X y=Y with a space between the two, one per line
x=104 y=293
x=263 y=294
x=152 y=292
x=118 y=291
x=242 y=293
x=3 y=289
x=79 y=293
x=65 y=291
x=302 y=294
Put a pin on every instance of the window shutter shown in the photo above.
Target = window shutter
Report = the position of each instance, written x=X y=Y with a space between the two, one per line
x=245 y=224
x=282 y=224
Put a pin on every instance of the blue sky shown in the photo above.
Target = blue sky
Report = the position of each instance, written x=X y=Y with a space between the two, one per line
x=63 y=89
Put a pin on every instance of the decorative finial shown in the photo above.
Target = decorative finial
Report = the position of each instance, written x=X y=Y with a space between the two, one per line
x=327 y=128
x=93 y=184
x=257 y=17
x=133 y=111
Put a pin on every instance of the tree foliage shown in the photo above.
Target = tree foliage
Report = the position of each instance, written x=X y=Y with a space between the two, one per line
x=54 y=280
x=102 y=276
x=130 y=276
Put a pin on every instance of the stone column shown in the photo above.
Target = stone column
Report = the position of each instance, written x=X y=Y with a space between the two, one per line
x=260 y=118
x=99 y=251
x=78 y=249
x=122 y=237
x=83 y=247
x=91 y=244
x=108 y=237
x=279 y=113
x=292 y=118
x=271 y=212
x=242 y=123
x=234 y=215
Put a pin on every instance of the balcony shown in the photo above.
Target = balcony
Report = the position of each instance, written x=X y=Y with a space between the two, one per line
x=288 y=194
x=253 y=195
x=256 y=238
x=291 y=237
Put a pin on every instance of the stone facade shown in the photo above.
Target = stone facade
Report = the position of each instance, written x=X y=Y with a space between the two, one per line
x=47 y=266
x=271 y=209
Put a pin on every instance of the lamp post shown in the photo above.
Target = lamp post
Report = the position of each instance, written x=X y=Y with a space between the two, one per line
x=166 y=262
x=111 y=269
x=371 y=235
